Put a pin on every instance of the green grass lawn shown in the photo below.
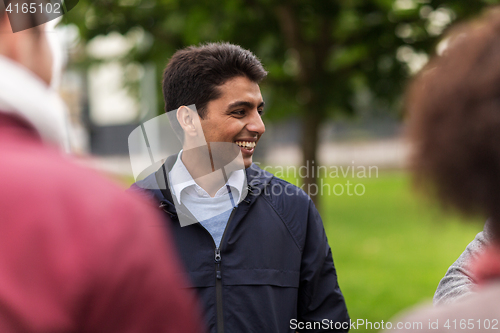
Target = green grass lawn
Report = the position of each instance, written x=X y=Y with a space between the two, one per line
x=390 y=246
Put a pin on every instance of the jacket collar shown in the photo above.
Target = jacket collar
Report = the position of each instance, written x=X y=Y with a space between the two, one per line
x=184 y=180
x=156 y=183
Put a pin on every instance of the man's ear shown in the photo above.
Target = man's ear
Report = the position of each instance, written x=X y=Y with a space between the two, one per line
x=187 y=118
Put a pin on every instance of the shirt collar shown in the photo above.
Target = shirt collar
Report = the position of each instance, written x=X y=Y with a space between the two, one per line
x=183 y=179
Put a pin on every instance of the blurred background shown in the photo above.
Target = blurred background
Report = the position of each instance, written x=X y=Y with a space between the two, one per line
x=334 y=98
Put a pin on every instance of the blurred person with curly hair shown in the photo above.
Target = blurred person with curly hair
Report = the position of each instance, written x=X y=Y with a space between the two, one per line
x=454 y=126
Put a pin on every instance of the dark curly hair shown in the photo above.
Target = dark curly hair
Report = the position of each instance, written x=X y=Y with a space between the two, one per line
x=454 y=119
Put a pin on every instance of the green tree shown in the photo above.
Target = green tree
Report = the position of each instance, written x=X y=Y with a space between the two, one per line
x=320 y=54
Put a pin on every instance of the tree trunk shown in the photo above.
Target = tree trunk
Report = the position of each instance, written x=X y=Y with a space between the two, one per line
x=311 y=56
x=310 y=127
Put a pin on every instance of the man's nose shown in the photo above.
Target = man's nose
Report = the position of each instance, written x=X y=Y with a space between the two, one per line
x=255 y=124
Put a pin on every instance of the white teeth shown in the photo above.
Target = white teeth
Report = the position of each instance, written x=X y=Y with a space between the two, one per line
x=246 y=144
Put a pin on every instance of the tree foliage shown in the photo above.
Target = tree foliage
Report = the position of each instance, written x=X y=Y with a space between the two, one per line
x=322 y=55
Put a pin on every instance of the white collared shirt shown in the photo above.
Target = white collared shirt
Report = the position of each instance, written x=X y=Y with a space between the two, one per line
x=211 y=212
x=183 y=183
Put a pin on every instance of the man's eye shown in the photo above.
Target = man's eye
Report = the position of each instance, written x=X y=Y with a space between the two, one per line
x=261 y=112
x=239 y=112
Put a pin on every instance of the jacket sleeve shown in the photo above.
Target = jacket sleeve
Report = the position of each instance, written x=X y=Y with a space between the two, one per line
x=459 y=280
x=320 y=298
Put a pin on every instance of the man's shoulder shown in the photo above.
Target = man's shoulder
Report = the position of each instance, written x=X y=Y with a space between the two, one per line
x=285 y=192
x=291 y=204
x=279 y=192
x=289 y=201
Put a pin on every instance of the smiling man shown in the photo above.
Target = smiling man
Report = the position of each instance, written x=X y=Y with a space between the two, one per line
x=259 y=257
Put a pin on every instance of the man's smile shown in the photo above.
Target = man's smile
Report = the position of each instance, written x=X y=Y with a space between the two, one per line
x=246 y=144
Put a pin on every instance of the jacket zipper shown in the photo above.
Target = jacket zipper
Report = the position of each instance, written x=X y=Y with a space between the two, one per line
x=218 y=272
x=218 y=278
x=218 y=291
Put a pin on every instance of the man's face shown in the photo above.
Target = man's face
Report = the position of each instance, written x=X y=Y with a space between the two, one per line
x=236 y=116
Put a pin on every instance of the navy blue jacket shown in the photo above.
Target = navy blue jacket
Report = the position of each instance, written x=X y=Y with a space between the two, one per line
x=274 y=269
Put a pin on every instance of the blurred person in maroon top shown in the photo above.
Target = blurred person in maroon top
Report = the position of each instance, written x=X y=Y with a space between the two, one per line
x=75 y=253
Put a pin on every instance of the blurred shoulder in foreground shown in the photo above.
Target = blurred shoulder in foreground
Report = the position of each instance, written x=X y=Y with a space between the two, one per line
x=75 y=252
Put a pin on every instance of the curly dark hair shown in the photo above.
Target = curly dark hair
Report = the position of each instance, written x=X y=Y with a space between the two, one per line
x=454 y=119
